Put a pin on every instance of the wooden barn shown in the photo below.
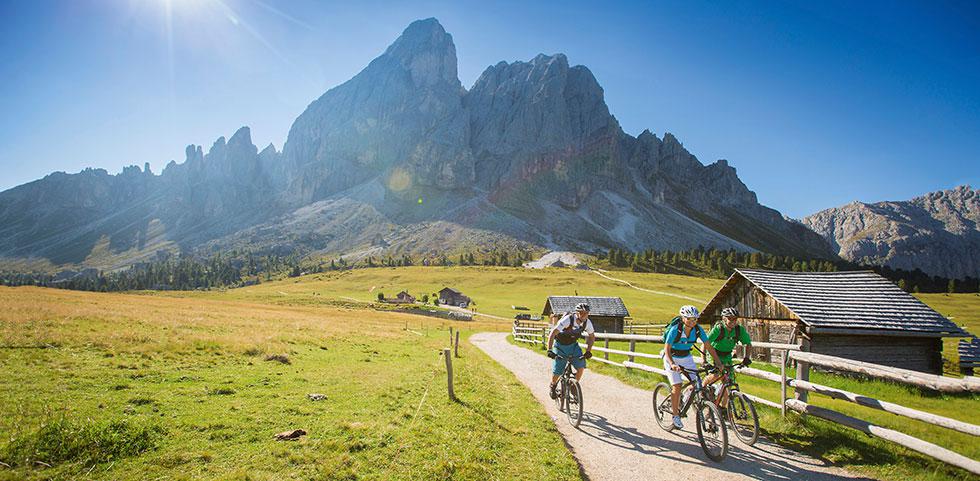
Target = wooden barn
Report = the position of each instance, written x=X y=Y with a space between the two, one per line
x=856 y=315
x=452 y=297
x=607 y=313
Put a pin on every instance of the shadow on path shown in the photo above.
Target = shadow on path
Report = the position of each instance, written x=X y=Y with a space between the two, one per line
x=763 y=461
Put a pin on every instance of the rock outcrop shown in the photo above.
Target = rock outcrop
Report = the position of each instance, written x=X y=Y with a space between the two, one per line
x=938 y=233
x=402 y=158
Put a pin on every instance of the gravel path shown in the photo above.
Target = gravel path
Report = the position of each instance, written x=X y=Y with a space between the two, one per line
x=619 y=439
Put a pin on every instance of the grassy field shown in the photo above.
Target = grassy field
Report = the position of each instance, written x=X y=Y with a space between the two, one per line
x=493 y=289
x=117 y=386
x=141 y=385
x=964 y=310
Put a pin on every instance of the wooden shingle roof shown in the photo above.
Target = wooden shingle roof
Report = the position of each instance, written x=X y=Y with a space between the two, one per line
x=969 y=351
x=599 y=306
x=846 y=301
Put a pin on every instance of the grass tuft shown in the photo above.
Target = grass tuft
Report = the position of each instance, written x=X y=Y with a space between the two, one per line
x=253 y=351
x=87 y=442
x=280 y=358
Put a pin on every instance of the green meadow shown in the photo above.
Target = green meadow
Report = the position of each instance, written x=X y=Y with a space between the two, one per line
x=194 y=385
x=118 y=386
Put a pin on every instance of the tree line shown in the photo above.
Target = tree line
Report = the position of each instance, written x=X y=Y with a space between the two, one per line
x=721 y=263
x=240 y=268
x=235 y=269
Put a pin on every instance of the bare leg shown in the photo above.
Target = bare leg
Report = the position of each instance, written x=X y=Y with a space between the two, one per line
x=578 y=374
x=675 y=399
x=554 y=378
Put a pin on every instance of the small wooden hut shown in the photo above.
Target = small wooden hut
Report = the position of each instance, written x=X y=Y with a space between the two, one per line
x=405 y=298
x=452 y=297
x=606 y=313
x=856 y=315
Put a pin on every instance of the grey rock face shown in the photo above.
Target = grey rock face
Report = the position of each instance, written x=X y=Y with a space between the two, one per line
x=938 y=233
x=403 y=111
x=401 y=157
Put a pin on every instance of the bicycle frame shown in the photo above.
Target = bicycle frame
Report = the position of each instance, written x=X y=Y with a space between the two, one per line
x=694 y=378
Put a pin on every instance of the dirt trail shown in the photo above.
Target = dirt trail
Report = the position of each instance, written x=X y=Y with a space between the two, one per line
x=619 y=439
x=601 y=273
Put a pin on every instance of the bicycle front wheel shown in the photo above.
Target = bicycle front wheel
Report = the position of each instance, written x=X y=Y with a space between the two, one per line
x=573 y=402
x=560 y=399
x=662 y=410
x=741 y=413
x=712 y=433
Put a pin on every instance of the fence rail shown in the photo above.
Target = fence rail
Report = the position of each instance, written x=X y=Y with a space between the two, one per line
x=802 y=386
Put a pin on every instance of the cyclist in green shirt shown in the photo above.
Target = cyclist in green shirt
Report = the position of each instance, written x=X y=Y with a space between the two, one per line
x=723 y=337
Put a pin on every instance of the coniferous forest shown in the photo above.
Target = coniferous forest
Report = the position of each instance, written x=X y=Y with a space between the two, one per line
x=238 y=269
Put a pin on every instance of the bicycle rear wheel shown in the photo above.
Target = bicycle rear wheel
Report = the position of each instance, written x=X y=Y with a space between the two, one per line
x=662 y=410
x=712 y=433
x=741 y=413
x=573 y=402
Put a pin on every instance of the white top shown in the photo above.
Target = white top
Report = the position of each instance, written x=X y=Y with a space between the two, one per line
x=567 y=320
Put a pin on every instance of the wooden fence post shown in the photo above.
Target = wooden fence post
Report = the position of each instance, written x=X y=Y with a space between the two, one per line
x=456 y=344
x=449 y=372
x=803 y=372
x=544 y=338
x=606 y=343
x=782 y=387
x=632 y=349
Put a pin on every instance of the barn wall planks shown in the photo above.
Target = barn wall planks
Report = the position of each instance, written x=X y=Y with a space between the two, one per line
x=915 y=353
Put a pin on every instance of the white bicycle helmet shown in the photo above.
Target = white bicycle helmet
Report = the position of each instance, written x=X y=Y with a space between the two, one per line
x=690 y=311
x=582 y=307
x=729 y=312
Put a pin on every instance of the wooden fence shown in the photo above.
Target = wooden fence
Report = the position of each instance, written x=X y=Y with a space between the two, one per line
x=802 y=386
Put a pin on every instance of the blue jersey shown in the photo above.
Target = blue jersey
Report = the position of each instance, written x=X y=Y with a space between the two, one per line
x=684 y=343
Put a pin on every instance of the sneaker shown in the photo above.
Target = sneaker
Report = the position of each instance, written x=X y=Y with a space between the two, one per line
x=677 y=422
x=553 y=392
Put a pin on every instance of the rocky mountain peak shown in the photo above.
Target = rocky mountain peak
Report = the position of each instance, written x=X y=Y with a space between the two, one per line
x=530 y=154
x=938 y=232
x=427 y=52
x=242 y=137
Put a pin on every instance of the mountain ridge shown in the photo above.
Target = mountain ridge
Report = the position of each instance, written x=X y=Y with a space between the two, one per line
x=938 y=232
x=529 y=156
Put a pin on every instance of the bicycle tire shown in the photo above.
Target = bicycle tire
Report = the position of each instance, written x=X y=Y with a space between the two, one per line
x=741 y=408
x=709 y=421
x=661 y=400
x=560 y=400
x=573 y=403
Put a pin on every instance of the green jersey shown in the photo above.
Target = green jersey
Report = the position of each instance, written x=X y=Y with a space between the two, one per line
x=724 y=340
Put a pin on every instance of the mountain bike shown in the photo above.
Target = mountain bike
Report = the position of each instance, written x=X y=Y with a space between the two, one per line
x=740 y=410
x=570 y=392
x=712 y=433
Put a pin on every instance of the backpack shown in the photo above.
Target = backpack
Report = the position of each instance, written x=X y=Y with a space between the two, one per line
x=571 y=334
x=725 y=332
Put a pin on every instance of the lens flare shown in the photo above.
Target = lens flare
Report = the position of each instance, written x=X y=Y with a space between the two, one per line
x=399 y=180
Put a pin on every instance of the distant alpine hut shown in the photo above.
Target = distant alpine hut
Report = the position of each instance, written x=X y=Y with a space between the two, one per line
x=452 y=297
x=608 y=314
x=855 y=315
x=969 y=351
x=405 y=298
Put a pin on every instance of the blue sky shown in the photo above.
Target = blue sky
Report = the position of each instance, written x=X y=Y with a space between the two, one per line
x=815 y=103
